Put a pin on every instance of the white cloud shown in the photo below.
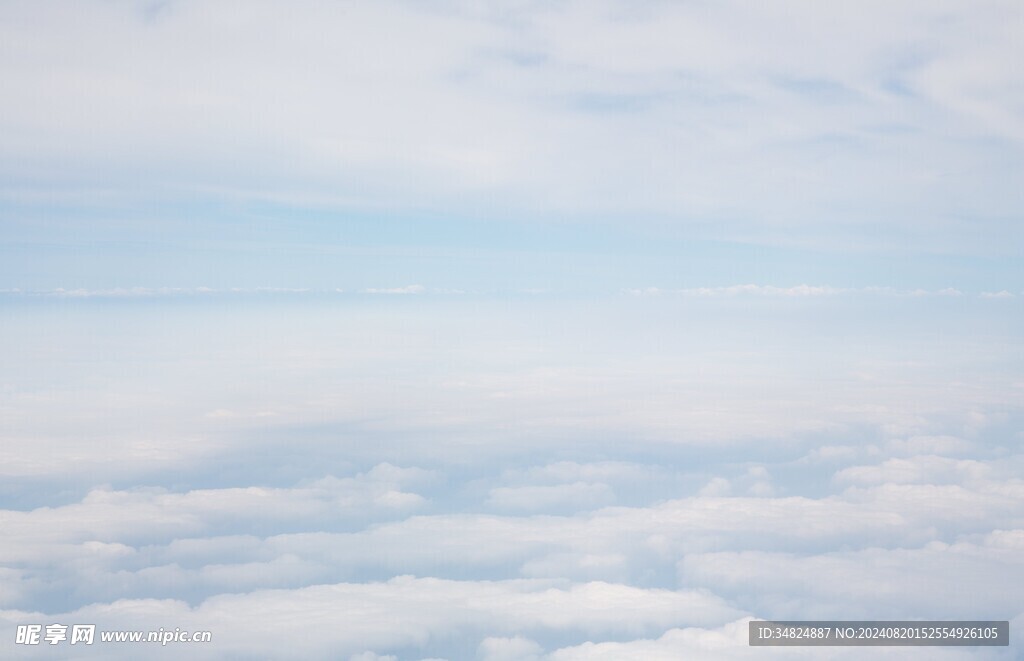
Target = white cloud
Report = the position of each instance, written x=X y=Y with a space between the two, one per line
x=572 y=471
x=726 y=642
x=502 y=383
x=577 y=495
x=395 y=105
x=801 y=291
x=920 y=469
x=962 y=580
x=371 y=656
x=410 y=289
x=402 y=612
x=729 y=642
x=767 y=290
x=718 y=486
x=509 y=649
x=933 y=445
x=152 y=292
x=580 y=565
x=105 y=517
x=620 y=478
x=621 y=544
x=154 y=542
x=743 y=290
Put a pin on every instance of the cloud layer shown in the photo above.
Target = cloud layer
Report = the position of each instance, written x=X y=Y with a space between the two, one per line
x=517 y=331
x=631 y=478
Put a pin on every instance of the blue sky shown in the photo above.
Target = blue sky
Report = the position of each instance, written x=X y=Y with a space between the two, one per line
x=526 y=331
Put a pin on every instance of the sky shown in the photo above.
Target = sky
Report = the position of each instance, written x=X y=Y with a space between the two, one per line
x=509 y=331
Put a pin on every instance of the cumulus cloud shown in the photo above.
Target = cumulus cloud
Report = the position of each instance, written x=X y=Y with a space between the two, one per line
x=928 y=469
x=572 y=471
x=407 y=611
x=577 y=495
x=720 y=643
x=371 y=656
x=960 y=580
x=106 y=533
x=618 y=543
x=160 y=543
x=509 y=649
x=592 y=453
x=729 y=642
x=143 y=512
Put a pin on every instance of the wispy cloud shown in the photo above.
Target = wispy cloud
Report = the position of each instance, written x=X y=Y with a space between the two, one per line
x=409 y=289
x=799 y=291
x=649 y=114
